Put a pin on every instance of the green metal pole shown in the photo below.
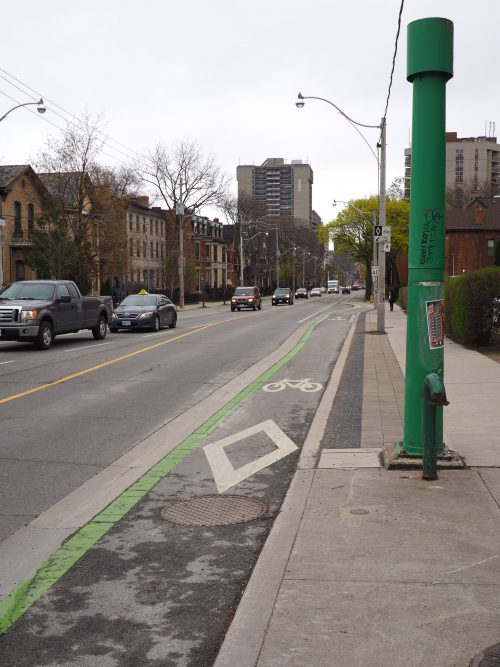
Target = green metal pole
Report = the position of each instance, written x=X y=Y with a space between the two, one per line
x=430 y=66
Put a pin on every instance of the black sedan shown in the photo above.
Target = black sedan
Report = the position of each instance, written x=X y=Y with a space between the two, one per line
x=144 y=311
x=282 y=295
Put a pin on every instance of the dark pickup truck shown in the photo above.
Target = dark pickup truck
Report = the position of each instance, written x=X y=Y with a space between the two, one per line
x=38 y=310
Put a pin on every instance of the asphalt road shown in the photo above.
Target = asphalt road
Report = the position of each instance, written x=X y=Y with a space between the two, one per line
x=69 y=414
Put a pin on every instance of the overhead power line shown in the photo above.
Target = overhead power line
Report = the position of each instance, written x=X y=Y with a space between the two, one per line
x=394 y=58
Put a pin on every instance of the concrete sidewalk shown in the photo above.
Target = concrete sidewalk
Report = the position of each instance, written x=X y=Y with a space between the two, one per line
x=366 y=566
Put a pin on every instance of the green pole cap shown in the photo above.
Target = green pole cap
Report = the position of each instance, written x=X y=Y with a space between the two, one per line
x=430 y=48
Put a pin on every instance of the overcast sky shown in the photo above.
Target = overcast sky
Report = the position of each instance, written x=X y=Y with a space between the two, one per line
x=226 y=74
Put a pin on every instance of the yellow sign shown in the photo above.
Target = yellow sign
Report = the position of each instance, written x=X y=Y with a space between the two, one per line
x=143 y=291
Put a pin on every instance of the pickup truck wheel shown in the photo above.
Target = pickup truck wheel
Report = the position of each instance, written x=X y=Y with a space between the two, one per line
x=45 y=336
x=101 y=328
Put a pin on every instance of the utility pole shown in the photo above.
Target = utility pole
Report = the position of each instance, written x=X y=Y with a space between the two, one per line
x=179 y=209
x=277 y=260
x=429 y=67
x=241 y=258
x=381 y=221
x=293 y=278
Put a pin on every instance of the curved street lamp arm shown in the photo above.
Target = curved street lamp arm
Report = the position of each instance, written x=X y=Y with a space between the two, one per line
x=26 y=104
x=353 y=122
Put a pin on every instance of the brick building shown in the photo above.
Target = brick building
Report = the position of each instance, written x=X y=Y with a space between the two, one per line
x=471 y=236
x=21 y=194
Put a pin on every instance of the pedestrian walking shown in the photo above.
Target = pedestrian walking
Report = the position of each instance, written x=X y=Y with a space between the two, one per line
x=117 y=292
x=393 y=296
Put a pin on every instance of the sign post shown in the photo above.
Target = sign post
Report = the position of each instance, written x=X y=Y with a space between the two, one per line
x=430 y=66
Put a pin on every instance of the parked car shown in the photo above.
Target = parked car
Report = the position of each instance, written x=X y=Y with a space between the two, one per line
x=345 y=289
x=301 y=293
x=144 y=311
x=316 y=291
x=246 y=297
x=38 y=310
x=282 y=295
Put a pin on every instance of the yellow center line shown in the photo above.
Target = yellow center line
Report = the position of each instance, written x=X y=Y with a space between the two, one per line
x=7 y=399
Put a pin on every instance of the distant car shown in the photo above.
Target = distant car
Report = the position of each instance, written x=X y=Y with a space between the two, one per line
x=301 y=293
x=316 y=291
x=282 y=295
x=246 y=297
x=144 y=311
x=355 y=287
x=345 y=289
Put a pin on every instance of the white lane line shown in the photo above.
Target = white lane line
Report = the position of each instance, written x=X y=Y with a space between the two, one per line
x=313 y=315
x=156 y=334
x=85 y=347
x=7 y=362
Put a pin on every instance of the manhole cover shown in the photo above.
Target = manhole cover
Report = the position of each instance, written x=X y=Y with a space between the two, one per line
x=214 y=511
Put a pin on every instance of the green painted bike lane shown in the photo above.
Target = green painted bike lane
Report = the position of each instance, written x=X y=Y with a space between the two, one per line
x=26 y=593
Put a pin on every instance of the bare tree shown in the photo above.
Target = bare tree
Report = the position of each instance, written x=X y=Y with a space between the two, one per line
x=183 y=175
x=91 y=198
x=461 y=195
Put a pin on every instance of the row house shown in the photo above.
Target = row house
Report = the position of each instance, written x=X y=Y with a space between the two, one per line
x=148 y=240
x=21 y=195
x=206 y=248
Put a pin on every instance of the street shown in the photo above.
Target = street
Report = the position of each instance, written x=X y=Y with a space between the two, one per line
x=85 y=420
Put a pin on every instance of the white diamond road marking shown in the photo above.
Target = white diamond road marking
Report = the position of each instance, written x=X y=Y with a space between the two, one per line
x=225 y=475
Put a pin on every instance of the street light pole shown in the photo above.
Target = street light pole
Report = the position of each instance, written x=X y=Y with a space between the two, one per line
x=241 y=251
x=381 y=250
x=277 y=260
x=382 y=168
x=40 y=107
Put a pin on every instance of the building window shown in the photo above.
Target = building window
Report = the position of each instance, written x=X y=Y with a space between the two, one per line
x=157 y=250
x=156 y=227
x=144 y=249
x=459 y=153
x=207 y=251
x=17 y=218
x=151 y=253
x=130 y=222
x=131 y=247
x=216 y=253
x=491 y=247
x=215 y=279
x=459 y=176
x=197 y=250
x=136 y=223
x=31 y=219
x=224 y=256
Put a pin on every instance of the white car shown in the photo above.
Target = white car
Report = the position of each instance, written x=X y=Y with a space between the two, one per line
x=316 y=291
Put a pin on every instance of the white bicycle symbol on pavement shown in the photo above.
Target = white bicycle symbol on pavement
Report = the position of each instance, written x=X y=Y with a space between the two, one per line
x=304 y=385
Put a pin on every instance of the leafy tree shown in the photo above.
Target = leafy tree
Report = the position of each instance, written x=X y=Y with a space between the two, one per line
x=54 y=253
x=352 y=232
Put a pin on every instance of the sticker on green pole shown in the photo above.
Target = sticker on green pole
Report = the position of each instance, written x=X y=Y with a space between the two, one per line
x=435 y=323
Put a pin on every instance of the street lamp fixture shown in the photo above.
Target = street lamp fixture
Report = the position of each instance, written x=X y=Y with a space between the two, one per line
x=40 y=107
